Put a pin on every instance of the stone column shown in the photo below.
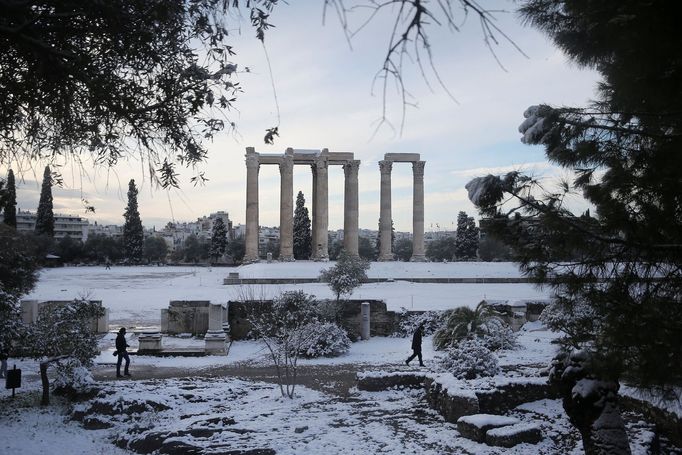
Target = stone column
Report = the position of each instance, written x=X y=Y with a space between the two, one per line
x=385 y=215
x=350 y=207
x=364 y=325
x=418 y=212
x=286 y=209
x=321 y=221
x=314 y=205
x=251 y=241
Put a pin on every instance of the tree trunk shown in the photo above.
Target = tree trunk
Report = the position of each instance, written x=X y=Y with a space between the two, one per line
x=591 y=405
x=45 y=400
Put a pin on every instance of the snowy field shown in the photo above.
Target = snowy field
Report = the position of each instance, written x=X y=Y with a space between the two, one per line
x=135 y=295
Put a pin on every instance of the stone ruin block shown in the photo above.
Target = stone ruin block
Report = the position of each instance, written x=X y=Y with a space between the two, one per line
x=30 y=311
x=149 y=342
x=187 y=316
x=476 y=426
x=511 y=435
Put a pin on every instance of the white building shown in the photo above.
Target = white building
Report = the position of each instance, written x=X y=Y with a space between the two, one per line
x=75 y=227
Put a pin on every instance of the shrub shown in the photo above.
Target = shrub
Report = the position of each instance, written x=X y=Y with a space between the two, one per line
x=409 y=321
x=324 y=339
x=470 y=359
x=497 y=335
x=482 y=322
x=348 y=273
x=71 y=376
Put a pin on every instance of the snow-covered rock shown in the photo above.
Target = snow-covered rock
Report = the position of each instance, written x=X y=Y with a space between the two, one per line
x=509 y=436
x=476 y=426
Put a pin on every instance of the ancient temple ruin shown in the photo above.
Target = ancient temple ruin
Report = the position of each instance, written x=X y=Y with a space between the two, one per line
x=319 y=162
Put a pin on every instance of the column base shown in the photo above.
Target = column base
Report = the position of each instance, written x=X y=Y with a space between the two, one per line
x=286 y=258
x=386 y=258
x=418 y=258
x=250 y=260
x=215 y=342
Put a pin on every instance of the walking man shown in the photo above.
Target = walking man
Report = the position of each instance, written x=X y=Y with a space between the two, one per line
x=417 y=345
x=121 y=346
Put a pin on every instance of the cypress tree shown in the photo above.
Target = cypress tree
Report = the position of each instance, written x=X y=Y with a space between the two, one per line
x=10 y=210
x=466 y=239
x=302 y=234
x=133 y=234
x=45 y=216
x=218 y=239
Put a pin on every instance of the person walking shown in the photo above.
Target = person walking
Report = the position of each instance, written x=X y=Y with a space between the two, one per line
x=417 y=345
x=122 y=353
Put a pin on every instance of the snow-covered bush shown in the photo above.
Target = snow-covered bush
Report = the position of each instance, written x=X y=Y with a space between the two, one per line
x=482 y=322
x=348 y=273
x=496 y=335
x=324 y=339
x=576 y=318
x=409 y=321
x=72 y=376
x=470 y=359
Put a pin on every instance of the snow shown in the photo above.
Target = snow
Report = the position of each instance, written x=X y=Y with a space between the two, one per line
x=396 y=270
x=487 y=420
x=511 y=430
x=136 y=295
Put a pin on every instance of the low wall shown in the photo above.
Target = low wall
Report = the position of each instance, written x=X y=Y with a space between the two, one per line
x=30 y=310
x=382 y=321
x=493 y=280
x=185 y=316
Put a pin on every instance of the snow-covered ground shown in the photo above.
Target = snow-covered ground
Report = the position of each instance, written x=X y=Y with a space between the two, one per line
x=217 y=413
x=135 y=295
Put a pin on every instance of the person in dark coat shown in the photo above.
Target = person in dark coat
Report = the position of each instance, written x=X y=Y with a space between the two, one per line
x=417 y=346
x=121 y=346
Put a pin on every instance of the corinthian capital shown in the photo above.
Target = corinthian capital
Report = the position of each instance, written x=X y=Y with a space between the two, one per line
x=385 y=166
x=351 y=168
x=252 y=160
x=418 y=169
x=286 y=166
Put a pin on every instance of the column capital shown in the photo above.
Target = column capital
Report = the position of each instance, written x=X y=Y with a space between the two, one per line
x=286 y=166
x=351 y=168
x=418 y=169
x=320 y=163
x=252 y=161
x=385 y=166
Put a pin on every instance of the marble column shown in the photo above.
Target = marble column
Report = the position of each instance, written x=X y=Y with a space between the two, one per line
x=350 y=207
x=418 y=212
x=320 y=242
x=313 y=230
x=385 y=215
x=286 y=209
x=251 y=241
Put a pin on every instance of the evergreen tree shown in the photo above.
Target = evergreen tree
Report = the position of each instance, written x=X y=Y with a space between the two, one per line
x=133 y=234
x=45 y=216
x=618 y=298
x=302 y=234
x=466 y=240
x=365 y=249
x=218 y=240
x=10 y=204
x=403 y=249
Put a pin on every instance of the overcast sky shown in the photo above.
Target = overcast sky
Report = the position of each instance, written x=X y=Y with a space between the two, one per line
x=324 y=90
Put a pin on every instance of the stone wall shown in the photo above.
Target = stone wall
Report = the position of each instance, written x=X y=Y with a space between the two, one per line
x=185 y=316
x=30 y=310
x=453 y=401
x=382 y=321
